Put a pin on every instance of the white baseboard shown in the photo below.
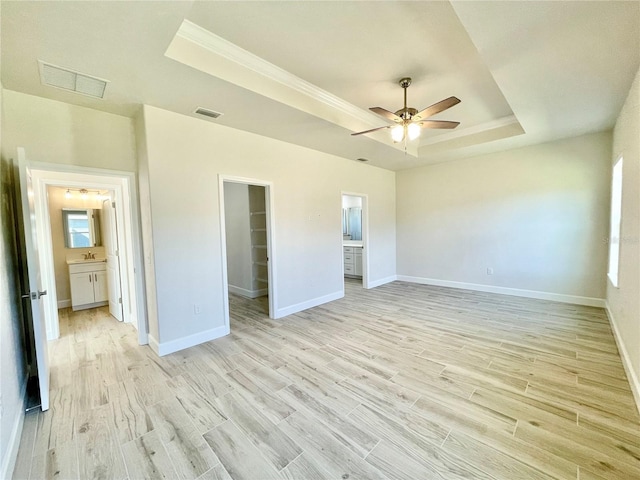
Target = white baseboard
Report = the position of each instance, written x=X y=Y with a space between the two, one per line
x=248 y=293
x=314 y=302
x=632 y=375
x=64 y=304
x=556 y=297
x=11 y=455
x=382 y=281
x=189 y=341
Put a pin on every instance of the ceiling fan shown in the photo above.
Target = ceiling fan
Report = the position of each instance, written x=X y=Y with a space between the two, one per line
x=409 y=121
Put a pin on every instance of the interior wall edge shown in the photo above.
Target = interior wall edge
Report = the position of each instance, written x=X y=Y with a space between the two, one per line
x=10 y=457
x=633 y=377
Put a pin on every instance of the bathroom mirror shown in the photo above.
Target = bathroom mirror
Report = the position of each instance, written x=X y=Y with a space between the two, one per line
x=352 y=223
x=81 y=227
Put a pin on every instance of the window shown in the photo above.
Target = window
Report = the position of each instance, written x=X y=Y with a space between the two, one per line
x=616 y=214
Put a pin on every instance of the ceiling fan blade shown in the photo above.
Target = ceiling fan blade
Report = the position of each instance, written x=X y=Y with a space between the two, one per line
x=372 y=130
x=441 y=106
x=386 y=114
x=438 y=124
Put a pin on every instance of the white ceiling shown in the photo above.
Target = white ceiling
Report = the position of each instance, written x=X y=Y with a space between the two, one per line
x=526 y=72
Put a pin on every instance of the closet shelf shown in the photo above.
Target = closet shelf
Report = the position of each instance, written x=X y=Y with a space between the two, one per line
x=262 y=264
x=259 y=246
x=263 y=280
x=258 y=229
x=258 y=213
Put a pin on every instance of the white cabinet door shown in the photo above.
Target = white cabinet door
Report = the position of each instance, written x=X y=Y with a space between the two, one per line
x=81 y=288
x=358 y=262
x=100 y=288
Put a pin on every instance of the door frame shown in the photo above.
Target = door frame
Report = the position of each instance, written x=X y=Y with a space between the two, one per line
x=271 y=242
x=365 y=236
x=123 y=184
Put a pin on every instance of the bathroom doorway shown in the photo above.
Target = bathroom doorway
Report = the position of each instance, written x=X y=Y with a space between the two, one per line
x=354 y=238
x=119 y=188
x=247 y=247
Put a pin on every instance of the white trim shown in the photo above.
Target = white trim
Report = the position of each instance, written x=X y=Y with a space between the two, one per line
x=314 y=302
x=129 y=237
x=64 y=303
x=224 y=48
x=189 y=341
x=248 y=293
x=11 y=455
x=632 y=375
x=517 y=292
x=382 y=281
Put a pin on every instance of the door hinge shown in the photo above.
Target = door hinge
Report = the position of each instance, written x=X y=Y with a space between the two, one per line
x=120 y=300
x=113 y=204
x=117 y=253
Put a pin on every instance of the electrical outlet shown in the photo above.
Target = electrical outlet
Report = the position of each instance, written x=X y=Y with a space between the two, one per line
x=489 y=271
x=197 y=309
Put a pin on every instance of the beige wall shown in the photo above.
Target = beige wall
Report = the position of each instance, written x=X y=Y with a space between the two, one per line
x=624 y=301
x=538 y=216
x=189 y=154
x=57 y=132
x=57 y=201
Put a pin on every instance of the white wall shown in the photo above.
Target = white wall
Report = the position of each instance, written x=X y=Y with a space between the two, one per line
x=237 y=230
x=537 y=215
x=624 y=302
x=57 y=201
x=187 y=154
x=57 y=132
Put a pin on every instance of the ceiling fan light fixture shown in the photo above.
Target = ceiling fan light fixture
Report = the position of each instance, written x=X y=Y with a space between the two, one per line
x=413 y=131
x=397 y=133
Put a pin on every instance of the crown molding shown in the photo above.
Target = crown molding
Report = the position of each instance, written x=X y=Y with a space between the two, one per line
x=224 y=48
x=480 y=128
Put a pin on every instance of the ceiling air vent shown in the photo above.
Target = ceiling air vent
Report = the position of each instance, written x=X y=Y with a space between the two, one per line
x=207 y=113
x=72 y=81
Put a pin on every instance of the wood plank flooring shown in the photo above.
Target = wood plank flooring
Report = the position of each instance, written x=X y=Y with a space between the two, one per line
x=400 y=382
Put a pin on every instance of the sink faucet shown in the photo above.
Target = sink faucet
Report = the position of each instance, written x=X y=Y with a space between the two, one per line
x=89 y=255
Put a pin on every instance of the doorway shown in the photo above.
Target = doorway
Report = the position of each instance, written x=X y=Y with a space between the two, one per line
x=118 y=188
x=247 y=245
x=354 y=238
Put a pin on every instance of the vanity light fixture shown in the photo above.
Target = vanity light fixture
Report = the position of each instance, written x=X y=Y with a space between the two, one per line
x=84 y=193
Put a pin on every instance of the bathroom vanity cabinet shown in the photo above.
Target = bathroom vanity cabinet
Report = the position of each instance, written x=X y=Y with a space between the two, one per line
x=88 y=284
x=352 y=261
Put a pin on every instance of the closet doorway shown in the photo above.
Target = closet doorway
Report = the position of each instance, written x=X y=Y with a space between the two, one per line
x=247 y=239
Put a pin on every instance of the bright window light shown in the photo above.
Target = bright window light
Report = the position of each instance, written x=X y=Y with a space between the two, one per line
x=616 y=216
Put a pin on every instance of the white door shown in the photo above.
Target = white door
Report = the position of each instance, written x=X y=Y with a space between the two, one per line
x=37 y=290
x=110 y=242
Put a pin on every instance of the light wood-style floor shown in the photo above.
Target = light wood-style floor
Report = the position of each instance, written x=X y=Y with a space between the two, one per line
x=400 y=382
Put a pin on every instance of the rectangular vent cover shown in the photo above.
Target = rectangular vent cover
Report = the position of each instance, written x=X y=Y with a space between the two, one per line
x=207 y=113
x=72 y=81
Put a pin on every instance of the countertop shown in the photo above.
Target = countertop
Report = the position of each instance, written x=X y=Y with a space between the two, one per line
x=79 y=260
x=352 y=243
